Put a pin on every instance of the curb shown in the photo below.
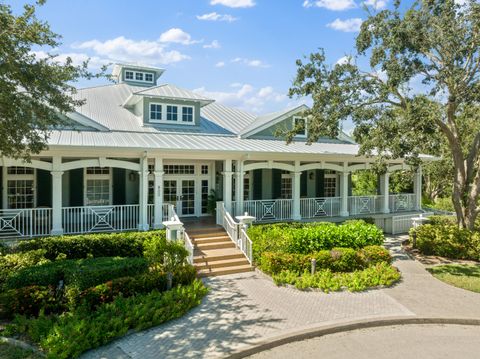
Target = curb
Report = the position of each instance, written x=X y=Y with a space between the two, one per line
x=344 y=327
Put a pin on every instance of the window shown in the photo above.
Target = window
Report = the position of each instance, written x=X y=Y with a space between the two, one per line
x=172 y=113
x=97 y=186
x=204 y=196
x=155 y=112
x=151 y=191
x=20 y=171
x=139 y=76
x=330 y=185
x=301 y=125
x=204 y=169
x=20 y=193
x=148 y=77
x=187 y=114
x=286 y=185
x=129 y=75
x=179 y=169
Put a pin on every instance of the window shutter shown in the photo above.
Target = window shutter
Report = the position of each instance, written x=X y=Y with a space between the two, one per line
x=118 y=188
x=303 y=184
x=257 y=184
x=44 y=188
x=76 y=187
x=277 y=183
x=320 y=183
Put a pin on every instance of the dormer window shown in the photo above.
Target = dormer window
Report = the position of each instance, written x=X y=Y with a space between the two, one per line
x=187 y=114
x=148 y=77
x=129 y=75
x=300 y=124
x=172 y=113
x=139 y=76
x=155 y=112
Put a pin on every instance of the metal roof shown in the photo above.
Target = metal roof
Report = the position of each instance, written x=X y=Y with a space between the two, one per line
x=263 y=120
x=169 y=91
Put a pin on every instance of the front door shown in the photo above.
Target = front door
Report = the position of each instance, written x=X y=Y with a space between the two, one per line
x=180 y=193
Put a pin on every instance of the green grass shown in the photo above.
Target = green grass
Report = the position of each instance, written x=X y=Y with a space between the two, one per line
x=466 y=276
x=8 y=351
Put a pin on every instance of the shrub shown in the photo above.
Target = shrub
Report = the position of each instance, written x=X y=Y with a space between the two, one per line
x=14 y=262
x=163 y=254
x=126 y=244
x=80 y=273
x=375 y=254
x=29 y=301
x=70 y=334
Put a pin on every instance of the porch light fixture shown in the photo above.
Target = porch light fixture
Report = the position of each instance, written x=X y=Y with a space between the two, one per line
x=310 y=176
x=131 y=176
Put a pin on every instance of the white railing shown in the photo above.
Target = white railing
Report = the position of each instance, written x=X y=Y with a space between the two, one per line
x=189 y=247
x=319 y=207
x=268 y=209
x=364 y=204
x=245 y=244
x=402 y=224
x=100 y=218
x=402 y=202
x=31 y=222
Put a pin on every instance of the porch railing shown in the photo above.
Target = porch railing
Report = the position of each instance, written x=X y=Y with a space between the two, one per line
x=100 y=218
x=402 y=202
x=31 y=222
x=268 y=210
x=364 y=204
x=319 y=207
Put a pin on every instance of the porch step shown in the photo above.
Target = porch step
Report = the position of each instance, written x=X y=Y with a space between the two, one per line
x=207 y=233
x=215 y=245
x=219 y=239
x=225 y=270
x=224 y=263
x=213 y=255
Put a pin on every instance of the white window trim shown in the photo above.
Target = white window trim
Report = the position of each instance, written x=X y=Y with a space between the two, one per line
x=295 y=118
x=193 y=115
x=88 y=176
x=164 y=114
x=20 y=177
x=135 y=76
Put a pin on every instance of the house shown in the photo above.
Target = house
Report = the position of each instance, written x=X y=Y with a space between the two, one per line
x=138 y=146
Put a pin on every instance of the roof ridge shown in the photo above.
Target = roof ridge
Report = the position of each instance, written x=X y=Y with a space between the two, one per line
x=151 y=87
x=97 y=86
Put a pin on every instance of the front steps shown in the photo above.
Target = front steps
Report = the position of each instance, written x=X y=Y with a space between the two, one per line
x=215 y=253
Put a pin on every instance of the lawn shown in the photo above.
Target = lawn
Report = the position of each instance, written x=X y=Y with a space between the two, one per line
x=466 y=276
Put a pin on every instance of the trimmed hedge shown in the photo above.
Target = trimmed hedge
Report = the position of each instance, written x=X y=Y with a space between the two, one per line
x=312 y=237
x=12 y=263
x=80 y=273
x=336 y=260
x=447 y=240
x=126 y=244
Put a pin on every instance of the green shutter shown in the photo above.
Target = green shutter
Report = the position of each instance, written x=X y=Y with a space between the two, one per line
x=320 y=183
x=76 y=187
x=277 y=183
x=44 y=188
x=119 y=192
x=257 y=184
x=304 y=184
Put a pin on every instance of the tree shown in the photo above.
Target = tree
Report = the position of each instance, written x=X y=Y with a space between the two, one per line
x=434 y=43
x=35 y=93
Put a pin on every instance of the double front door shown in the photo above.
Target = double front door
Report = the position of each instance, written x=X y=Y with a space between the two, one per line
x=180 y=193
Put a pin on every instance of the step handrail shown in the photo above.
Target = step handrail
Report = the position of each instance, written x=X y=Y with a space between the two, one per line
x=186 y=238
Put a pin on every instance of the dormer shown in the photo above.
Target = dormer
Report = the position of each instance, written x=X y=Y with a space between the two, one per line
x=136 y=75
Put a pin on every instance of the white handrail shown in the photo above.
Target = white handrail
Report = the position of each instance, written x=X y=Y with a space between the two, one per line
x=189 y=247
x=246 y=245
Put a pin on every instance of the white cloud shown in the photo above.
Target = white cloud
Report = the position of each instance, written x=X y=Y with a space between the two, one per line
x=335 y=5
x=213 y=16
x=348 y=25
x=246 y=97
x=178 y=36
x=376 y=4
x=76 y=57
x=344 y=60
x=220 y=64
x=142 y=51
x=213 y=45
x=233 y=3
x=249 y=62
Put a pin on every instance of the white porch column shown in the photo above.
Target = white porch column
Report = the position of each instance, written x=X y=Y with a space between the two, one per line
x=417 y=188
x=344 y=194
x=143 y=195
x=227 y=184
x=57 y=224
x=296 y=192
x=384 y=191
x=158 y=194
x=239 y=188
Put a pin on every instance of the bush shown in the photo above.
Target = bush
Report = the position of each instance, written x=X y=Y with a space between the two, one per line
x=336 y=260
x=29 y=301
x=70 y=334
x=11 y=263
x=312 y=237
x=80 y=273
x=163 y=254
x=126 y=244
x=447 y=240
x=380 y=274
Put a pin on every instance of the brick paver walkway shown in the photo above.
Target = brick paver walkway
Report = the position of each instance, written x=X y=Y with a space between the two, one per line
x=245 y=308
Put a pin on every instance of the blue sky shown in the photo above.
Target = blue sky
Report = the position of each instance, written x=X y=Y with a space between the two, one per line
x=240 y=52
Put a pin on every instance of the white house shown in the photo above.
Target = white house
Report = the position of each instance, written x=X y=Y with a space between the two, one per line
x=135 y=147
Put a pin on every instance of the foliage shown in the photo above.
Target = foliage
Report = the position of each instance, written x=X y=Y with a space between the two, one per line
x=36 y=90
x=380 y=274
x=447 y=240
x=441 y=204
x=70 y=334
x=464 y=276
x=11 y=263
x=335 y=260
x=8 y=351
x=306 y=238
x=164 y=254
x=364 y=183
x=212 y=202
x=433 y=43
x=127 y=244
x=79 y=273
